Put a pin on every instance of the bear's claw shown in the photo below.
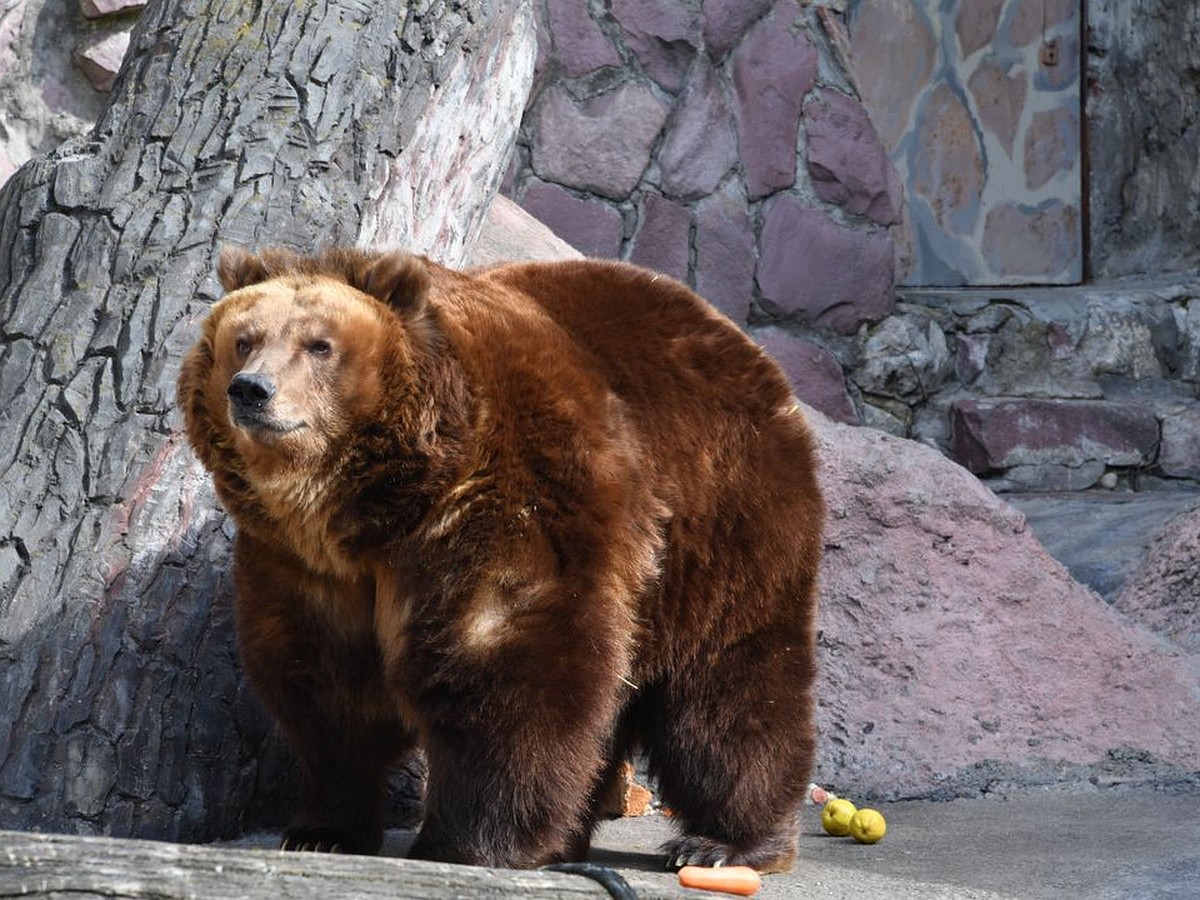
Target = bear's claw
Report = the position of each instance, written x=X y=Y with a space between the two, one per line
x=773 y=853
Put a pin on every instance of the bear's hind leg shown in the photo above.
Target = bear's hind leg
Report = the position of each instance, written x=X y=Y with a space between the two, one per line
x=732 y=749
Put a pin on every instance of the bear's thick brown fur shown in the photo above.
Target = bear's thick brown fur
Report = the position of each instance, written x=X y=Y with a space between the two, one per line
x=531 y=519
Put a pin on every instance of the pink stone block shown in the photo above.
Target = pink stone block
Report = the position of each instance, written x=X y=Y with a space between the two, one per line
x=816 y=375
x=725 y=253
x=991 y=435
x=773 y=68
x=700 y=145
x=592 y=227
x=663 y=35
x=661 y=241
x=600 y=145
x=824 y=274
x=100 y=57
x=725 y=21
x=847 y=162
x=579 y=44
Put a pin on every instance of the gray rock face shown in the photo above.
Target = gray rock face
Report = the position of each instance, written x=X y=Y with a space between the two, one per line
x=122 y=707
x=1142 y=136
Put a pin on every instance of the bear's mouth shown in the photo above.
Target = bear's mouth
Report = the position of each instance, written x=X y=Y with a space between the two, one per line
x=260 y=425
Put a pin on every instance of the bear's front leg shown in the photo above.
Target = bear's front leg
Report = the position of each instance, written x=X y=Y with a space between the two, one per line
x=341 y=808
x=310 y=652
x=517 y=723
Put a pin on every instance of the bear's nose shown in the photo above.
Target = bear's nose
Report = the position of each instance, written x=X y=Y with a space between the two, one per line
x=251 y=390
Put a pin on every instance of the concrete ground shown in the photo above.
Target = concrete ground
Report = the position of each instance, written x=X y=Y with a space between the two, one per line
x=1096 y=844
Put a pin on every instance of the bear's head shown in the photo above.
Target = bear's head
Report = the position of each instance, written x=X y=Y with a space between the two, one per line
x=294 y=358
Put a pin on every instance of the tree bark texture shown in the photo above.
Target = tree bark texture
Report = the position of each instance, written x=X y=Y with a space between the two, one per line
x=122 y=709
x=53 y=866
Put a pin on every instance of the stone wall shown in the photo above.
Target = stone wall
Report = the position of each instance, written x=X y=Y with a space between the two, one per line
x=658 y=133
x=723 y=142
x=1044 y=389
x=1143 y=109
x=978 y=105
x=710 y=140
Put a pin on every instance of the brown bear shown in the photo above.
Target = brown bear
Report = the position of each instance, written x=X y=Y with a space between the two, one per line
x=532 y=519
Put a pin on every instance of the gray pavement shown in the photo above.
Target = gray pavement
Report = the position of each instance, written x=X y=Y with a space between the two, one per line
x=1037 y=844
x=1033 y=844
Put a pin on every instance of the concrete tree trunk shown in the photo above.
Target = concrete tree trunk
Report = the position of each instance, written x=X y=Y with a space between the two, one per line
x=122 y=709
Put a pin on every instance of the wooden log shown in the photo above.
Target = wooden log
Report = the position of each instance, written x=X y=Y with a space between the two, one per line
x=60 y=866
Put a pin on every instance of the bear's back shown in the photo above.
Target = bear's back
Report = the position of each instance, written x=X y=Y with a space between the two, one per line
x=729 y=452
x=659 y=345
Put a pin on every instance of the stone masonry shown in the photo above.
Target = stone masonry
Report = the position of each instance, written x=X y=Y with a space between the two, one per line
x=978 y=104
x=710 y=140
x=724 y=143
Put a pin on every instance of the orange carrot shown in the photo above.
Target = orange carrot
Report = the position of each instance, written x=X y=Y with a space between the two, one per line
x=726 y=879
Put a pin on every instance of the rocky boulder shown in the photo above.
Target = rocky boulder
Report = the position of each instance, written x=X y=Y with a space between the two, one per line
x=1164 y=595
x=955 y=650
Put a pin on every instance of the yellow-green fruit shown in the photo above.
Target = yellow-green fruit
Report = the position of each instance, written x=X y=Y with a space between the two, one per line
x=836 y=816
x=867 y=826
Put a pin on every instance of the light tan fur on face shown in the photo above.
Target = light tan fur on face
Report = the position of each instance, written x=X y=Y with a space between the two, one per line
x=317 y=341
x=277 y=329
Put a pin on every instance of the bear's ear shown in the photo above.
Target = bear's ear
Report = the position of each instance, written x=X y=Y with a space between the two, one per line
x=400 y=280
x=237 y=268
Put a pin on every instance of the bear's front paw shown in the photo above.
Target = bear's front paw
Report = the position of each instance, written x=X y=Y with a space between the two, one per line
x=318 y=839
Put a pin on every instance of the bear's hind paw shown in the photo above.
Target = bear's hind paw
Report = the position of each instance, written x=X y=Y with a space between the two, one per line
x=773 y=854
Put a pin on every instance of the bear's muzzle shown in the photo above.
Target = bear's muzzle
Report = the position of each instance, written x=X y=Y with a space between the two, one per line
x=249 y=393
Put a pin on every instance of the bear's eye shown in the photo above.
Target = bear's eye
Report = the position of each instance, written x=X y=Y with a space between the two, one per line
x=242 y=346
x=320 y=347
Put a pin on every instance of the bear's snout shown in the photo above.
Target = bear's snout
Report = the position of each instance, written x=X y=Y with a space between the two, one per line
x=249 y=393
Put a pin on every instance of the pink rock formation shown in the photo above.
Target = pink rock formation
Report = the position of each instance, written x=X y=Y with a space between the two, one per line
x=1164 y=595
x=951 y=640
